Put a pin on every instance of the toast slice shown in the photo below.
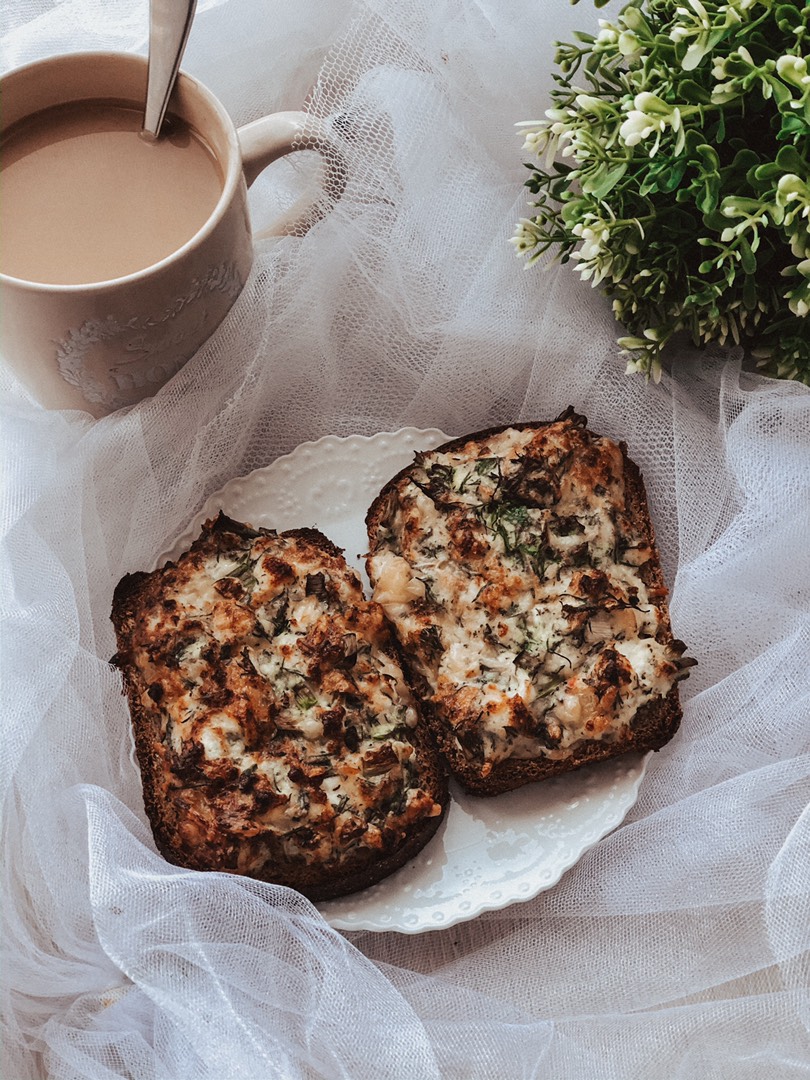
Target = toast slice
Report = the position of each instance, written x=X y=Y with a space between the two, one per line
x=519 y=570
x=276 y=735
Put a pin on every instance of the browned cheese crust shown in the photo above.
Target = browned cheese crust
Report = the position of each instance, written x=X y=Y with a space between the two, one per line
x=276 y=735
x=519 y=569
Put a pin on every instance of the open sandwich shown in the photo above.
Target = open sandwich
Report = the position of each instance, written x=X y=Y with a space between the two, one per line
x=275 y=733
x=519 y=570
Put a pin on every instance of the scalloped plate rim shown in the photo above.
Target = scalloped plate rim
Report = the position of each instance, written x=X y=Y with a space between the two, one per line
x=561 y=868
x=193 y=527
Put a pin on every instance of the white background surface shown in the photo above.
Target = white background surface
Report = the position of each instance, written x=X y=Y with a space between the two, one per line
x=678 y=946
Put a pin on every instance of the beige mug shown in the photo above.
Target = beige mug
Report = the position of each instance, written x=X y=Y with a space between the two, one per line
x=102 y=345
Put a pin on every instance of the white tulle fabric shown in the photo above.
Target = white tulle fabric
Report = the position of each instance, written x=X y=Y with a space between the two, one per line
x=678 y=947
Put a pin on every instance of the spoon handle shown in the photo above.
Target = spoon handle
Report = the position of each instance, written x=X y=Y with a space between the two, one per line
x=169 y=25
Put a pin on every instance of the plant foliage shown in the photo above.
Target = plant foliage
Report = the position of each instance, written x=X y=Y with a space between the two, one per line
x=674 y=170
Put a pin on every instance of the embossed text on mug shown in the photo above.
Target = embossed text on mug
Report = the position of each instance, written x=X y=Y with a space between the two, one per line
x=84 y=198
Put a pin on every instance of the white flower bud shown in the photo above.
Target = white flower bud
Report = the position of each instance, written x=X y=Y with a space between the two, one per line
x=793 y=69
x=587 y=101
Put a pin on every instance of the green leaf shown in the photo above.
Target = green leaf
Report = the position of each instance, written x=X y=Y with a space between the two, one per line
x=648 y=185
x=781 y=92
x=670 y=177
x=792 y=126
x=742 y=204
x=789 y=160
x=600 y=185
x=707 y=198
x=710 y=159
x=744 y=160
x=748 y=261
x=693 y=93
x=634 y=20
x=750 y=292
x=769 y=170
x=787 y=17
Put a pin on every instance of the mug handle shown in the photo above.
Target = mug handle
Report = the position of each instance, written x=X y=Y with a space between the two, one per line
x=271 y=137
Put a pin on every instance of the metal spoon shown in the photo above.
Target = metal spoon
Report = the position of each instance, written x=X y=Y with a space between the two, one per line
x=169 y=25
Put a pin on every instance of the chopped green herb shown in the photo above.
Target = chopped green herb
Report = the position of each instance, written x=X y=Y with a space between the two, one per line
x=484 y=466
x=554 y=683
x=244 y=573
x=506 y=520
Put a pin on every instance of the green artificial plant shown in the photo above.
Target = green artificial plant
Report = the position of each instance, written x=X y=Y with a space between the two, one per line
x=674 y=169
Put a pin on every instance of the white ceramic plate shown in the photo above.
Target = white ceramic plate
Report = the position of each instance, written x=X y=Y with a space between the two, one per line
x=488 y=853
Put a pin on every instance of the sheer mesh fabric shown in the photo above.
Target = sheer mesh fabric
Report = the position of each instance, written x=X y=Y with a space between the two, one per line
x=678 y=946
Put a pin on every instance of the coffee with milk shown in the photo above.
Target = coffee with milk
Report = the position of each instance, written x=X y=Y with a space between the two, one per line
x=84 y=197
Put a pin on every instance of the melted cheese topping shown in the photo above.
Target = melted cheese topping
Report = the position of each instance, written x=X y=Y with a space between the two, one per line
x=517 y=583
x=278 y=707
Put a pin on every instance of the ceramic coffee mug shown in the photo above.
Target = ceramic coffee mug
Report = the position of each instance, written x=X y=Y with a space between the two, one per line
x=104 y=344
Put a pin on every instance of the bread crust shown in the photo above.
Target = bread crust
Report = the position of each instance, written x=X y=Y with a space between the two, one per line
x=654 y=723
x=209 y=813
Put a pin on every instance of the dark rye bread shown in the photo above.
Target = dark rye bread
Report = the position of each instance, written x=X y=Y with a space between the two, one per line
x=275 y=734
x=487 y=541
